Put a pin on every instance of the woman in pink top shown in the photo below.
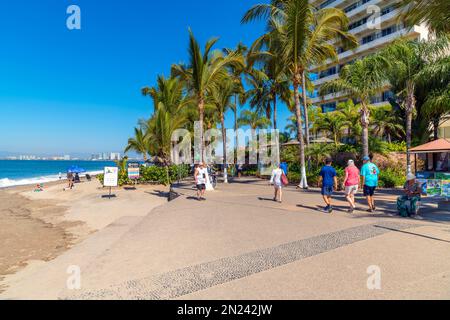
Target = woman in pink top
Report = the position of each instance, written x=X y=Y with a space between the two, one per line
x=351 y=183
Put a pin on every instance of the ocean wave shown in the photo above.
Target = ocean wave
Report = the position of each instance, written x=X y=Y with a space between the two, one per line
x=7 y=183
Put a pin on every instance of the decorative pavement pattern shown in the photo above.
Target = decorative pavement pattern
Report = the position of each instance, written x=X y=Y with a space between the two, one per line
x=177 y=283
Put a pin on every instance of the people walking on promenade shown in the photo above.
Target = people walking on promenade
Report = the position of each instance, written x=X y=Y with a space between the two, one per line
x=276 y=181
x=200 y=175
x=370 y=174
x=351 y=184
x=329 y=183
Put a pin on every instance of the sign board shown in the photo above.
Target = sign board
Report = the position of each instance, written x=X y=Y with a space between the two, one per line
x=434 y=188
x=111 y=177
x=446 y=188
x=134 y=172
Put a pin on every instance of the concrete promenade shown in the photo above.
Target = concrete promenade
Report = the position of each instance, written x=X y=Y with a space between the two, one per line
x=241 y=245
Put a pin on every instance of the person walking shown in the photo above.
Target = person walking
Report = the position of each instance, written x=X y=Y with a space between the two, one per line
x=277 y=183
x=369 y=175
x=200 y=175
x=329 y=183
x=351 y=184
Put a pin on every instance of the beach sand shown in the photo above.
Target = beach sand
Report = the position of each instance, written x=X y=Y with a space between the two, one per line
x=38 y=227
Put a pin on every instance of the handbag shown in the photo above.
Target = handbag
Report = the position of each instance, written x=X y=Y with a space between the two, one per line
x=284 y=179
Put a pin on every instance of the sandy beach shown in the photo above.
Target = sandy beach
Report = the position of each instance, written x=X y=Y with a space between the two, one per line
x=36 y=228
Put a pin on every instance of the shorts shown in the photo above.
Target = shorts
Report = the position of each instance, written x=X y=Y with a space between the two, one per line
x=327 y=191
x=351 y=190
x=201 y=187
x=369 y=191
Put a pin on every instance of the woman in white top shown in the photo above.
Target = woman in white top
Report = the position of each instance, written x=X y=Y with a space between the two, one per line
x=201 y=174
x=277 y=183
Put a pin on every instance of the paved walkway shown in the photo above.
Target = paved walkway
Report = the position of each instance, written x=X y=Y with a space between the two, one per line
x=241 y=245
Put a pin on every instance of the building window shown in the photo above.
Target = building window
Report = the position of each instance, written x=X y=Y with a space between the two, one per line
x=329 y=107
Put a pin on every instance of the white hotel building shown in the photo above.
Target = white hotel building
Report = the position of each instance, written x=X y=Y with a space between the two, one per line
x=372 y=34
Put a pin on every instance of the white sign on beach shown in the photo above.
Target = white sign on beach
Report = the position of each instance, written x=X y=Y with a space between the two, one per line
x=111 y=177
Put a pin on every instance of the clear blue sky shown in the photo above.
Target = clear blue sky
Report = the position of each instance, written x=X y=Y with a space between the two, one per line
x=78 y=91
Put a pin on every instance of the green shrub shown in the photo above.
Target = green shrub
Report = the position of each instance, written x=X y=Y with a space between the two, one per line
x=391 y=178
x=153 y=175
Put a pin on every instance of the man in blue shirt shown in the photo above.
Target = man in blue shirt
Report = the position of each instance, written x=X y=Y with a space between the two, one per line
x=369 y=174
x=329 y=183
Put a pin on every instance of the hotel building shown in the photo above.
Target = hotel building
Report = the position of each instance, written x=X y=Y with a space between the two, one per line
x=375 y=23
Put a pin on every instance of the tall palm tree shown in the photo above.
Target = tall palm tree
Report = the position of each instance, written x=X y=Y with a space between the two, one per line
x=305 y=36
x=138 y=143
x=222 y=101
x=410 y=58
x=236 y=74
x=435 y=13
x=360 y=80
x=204 y=72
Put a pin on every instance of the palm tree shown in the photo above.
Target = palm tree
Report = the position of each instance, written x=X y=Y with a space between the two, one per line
x=257 y=94
x=275 y=80
x=386 y=123
x=239 y=95
x=360 y=80
x=138 y=143
x=435 y=78
x=221 y=99
x=253 y=120
x=435 y=13
x=350 y=112
x=169 y=92
x=204 y=72
x=333 y=123
x=410 y=58
x=305 y=36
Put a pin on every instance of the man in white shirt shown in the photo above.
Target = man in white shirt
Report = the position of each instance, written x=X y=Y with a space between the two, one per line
x=277 y=173
x=200 y=175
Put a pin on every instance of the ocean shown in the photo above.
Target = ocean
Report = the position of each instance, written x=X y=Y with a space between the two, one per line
x=18 y=173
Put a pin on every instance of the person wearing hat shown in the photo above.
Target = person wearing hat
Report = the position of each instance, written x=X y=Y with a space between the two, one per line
x=351 y=184
x=369 y=175
x=407 y=204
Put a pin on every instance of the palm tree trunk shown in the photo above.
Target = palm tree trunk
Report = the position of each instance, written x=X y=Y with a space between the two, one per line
x=275 y=111
x=365 y=114
x=298 y=114
x=436 y=122
x=236 y=141
x=201 y=111
x=224 y=141
x=410 y=106
x=305 y=105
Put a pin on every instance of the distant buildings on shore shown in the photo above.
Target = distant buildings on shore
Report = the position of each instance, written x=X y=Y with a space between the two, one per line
x=106 y=156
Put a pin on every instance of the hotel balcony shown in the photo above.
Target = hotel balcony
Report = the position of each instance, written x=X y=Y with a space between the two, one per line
x=326 y=79
x=374 y=45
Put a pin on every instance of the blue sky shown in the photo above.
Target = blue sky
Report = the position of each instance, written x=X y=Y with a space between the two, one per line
x=78 y=91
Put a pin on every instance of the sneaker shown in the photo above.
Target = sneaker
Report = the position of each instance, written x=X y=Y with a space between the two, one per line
x=370 y=210
x=351 y=210
x=330 y=209
x=326 y=209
